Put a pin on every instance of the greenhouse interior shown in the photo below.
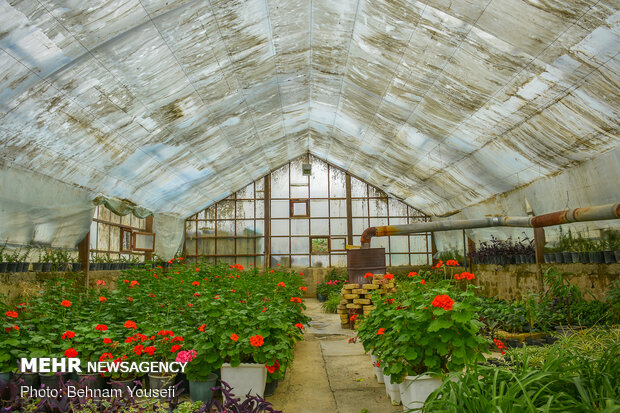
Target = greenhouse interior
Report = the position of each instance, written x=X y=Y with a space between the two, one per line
x=353 y=206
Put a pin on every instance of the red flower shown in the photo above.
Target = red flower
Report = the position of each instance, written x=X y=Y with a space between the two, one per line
x=180 y=258
x=257 y=341
x=152 y=295
x=303 y=288
x=12 y=314
x=196 y=294
x=103 y=299
x=354 y=317
x=197 y=269
x=234 y=337
x=389 y=276
x=412 y=274
x=65 y=303
x=299 y=325
x=368 y=275
x=217 y=297
x=281 y=284
x=452 y=263
x=130 y=324
x=196 y=283
x=467 y=276
x=106 y=356
x=176 y=348
x=275 y=367
x=165 y=333
x=296 y=300
x=129 y=298
x=68 y=334
x=134 y=282
x=126 y=281
x=439 y=264
x=107 y=340
x=301 y=273
x=443 y=301
x=202 y=327
x=130 y=340
x=190 y=304
x=264 y=309
x=177 y=338
x=138 y=349
x=15 y=327
x=381 y=331
x=389 y=301
x=139 y=336
x=101 y=327
x=272 y=271
x=422 y=282
x=71 y=353
x=150 y=350
x=100 y=282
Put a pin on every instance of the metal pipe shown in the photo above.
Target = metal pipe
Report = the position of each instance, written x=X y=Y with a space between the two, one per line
x=596 y=213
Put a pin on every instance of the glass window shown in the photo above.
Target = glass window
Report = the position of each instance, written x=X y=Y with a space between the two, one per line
x=337 y=183
x=359 y=207
x=280 y=209
x=245 y=209
x=337 y=244
x=279 y=227
x=300 y=245
x=319 y=245
x=299 y=208
x=245 y=228
x=358 y=188
x=279 y=245
x=279 y=183
x=319 y=226
x=300 y=227
x=319 y=208
x=399 y=259
x=318 y=179
x=338 y=226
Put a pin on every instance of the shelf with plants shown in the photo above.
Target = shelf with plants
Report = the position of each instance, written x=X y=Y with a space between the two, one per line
x=573 y=249
x=504 y=252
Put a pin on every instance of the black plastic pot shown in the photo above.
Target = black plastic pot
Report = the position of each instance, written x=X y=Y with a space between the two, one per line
x=76 y=266
x=584 y=257
x=51 y=381
x=596 y=257
x=321 y=297
x=551 y=339
x=535 y=341
x=27 y=379
x=549 y=258
x=574 y=256
x=105 y=266
x=11 y=266
x=270 y=388
x=617 y=255
x=566 y=258
x=36 y=266
x=92 y=381
x=3 y=267
x=559 y=257
x=513 y=343
x=124 y=385
x=608 y=257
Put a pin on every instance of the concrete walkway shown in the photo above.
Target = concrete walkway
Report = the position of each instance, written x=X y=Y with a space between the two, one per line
x=329 y=375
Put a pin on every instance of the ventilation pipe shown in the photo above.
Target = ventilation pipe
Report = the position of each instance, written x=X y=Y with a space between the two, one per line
x=596 y=213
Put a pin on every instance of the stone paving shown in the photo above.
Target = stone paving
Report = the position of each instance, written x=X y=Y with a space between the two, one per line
x=329 y=374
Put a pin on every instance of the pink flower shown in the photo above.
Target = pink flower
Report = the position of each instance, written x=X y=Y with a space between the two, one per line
x=185 y=356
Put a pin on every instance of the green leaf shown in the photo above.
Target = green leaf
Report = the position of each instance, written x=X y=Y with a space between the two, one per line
x=438 y=324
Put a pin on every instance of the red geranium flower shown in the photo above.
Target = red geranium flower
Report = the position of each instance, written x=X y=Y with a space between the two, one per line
x=196 y=283
x=12 y=314
x=257 y=341
x=107 y=340
x=452 y=263
x=68 y=334
x=389 y=276
x=134 y=282
x=175 y=348
x=296 y=300
x=150 y=350
x=202 y=327
x=368 y=275
x=274 y=368
x=197 y=269
x=264 y=309
x=71 y=352
x=130 y=324
x=138 y=349
x=443 y=301
x=234 y=337
x=129 y=298
x=152 y=295
x=100 y=282
x=65 y=303
x=439 y=264
x=299 y=325
x=126 y=281
x=354 y=317
x=217 y=297
x=101 y=327
x=196 y=294
x=281 y=284
x=381 y=331
x=422 y=282
x=106 y=356
x=303 y=288
x=412 y=274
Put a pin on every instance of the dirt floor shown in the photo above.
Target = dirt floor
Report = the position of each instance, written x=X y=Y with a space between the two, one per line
x=329 y=374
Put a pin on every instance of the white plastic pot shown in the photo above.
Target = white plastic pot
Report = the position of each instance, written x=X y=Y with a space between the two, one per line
x=245 y=378
x=392 y=390
x=378 y=370
x=414 y=390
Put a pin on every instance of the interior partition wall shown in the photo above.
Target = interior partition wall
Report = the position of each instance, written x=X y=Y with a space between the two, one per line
x=297 y=219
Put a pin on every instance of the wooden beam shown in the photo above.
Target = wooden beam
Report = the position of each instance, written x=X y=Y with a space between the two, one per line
x=84 y=257
x=148 y=228
x=349 y=210
x=267 y=220
x=539 y=243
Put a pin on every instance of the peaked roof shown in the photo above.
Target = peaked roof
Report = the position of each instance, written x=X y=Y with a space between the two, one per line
x=175 y=104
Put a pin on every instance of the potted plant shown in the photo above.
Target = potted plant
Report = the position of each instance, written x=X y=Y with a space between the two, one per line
x=167 y=346
x=421 y=333
x=12 y=259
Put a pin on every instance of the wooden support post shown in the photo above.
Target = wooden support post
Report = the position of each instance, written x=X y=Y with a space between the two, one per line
x=465 y=262
x=539 y=243
x=433 y=248
x=84 y=257
x=267 y=220
x=148 y=228
x=471 y=246
x=349 y=210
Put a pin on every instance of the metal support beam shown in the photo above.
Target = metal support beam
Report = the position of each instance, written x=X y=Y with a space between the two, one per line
x=84 y=257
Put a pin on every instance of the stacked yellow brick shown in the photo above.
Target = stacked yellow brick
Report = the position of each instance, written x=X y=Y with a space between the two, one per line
x=356 y=297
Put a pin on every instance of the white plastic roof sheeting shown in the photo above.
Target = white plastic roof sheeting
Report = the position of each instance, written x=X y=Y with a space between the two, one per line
x=176 y=104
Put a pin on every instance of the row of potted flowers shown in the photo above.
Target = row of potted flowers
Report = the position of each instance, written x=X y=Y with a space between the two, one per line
x=426 y=329
x=210 y=316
